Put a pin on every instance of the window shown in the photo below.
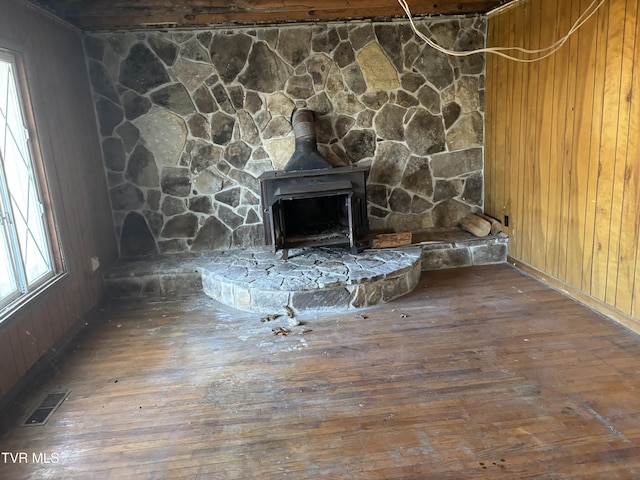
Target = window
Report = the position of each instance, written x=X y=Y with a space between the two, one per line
x=27 y=259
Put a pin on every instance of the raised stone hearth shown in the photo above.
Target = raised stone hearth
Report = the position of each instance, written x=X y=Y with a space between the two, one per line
x=259 y=281
x=312 y=279
x=254 y=279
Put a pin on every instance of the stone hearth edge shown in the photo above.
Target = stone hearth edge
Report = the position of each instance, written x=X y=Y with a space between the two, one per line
x=312 y=280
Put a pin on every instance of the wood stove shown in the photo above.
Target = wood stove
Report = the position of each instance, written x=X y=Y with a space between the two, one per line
x=310 y=203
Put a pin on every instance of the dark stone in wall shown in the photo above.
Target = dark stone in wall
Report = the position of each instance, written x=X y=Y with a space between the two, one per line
x=101 y=81
x=229 y=217
x=388 y=122
x=417 y=176
x=434 y=67
x=449 y=212
x=136 y=238
x=248 y=235
x=221 y=128
x=142 y=169
x=114 y=156
x=135 y=105
x=180 y=226
x=222 y=99
x=204 y=155
x=451 y=113
x=126 y=197
x=166 y=50
x=199 y=127
x=389 y=40
x=473 y=192
x=153 y=200
x=300 y=87
x=212 y=236
x=229 y=197
x=176 y=181
x=406 y=100
x=293 y=44
x=229 y=54
x=201 y=204
x=355 y=80
x=142 y=70
x=109 y=116
x=155 y=221
x=203 y=100
x=359 y=144
x=453 y=164
x=429 y=98
x=193 y=50
x=175 y=98
x=265 y=71
x=470 y=40
x=237 y=154
x=389 y=163
x=445 y=189
x=412 y=81
x=172 y=206
x=327 y=42
x=400 y=201
x=129 y=134
x=425 y=134
x=344 y=54
x=377 y=194
x=94 y=47
x=236 y=95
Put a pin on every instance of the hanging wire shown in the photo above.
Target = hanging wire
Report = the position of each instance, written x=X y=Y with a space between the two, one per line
x=548 y=51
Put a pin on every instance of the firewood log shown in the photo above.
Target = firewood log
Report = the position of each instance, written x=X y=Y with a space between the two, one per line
x=476 y=225
x=496 y=226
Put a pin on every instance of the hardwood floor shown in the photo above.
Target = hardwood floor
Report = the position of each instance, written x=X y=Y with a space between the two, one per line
x=480 y=373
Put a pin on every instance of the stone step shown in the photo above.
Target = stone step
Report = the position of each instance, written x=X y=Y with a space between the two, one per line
x=312 y=279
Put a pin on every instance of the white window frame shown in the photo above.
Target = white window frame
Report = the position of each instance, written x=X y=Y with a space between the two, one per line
x=22 y=289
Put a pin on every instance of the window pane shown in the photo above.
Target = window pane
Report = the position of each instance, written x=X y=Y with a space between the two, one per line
x=8 y=285
x=25 y=256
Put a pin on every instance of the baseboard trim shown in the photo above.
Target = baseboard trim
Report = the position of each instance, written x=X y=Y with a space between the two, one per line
x=579 y=296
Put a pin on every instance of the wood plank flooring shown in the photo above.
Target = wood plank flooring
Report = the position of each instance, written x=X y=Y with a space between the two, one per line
x=481 y=372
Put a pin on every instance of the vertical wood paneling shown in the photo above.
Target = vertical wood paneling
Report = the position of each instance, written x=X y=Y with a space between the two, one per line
x=542 y=143
x=66 y=128
x=622 y=144
x=594 y=142
x=632 y=290
x=583 y=94
x=570 y=176
x=566 y=60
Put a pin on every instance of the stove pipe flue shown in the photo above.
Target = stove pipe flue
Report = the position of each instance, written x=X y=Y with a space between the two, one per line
x=306 y=155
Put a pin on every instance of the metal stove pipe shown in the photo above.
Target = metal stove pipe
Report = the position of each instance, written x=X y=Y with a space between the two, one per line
x=305 y=155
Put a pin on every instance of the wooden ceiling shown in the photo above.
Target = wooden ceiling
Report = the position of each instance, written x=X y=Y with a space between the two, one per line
x=146 y=14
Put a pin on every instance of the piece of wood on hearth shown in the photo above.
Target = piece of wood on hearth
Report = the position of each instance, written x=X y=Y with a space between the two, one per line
x=389 y=240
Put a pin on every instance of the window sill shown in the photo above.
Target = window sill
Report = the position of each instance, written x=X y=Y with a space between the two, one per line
x=16 y=309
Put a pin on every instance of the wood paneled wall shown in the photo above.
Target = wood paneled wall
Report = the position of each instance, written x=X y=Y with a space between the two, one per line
x=65 y=120
x=562 y=153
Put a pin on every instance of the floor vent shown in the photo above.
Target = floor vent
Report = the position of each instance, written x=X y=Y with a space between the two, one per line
x=43 y=412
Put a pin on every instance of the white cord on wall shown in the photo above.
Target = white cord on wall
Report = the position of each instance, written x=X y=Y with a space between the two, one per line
x=547 y=51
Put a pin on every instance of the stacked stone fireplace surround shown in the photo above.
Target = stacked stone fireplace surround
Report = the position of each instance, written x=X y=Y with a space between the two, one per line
x=190 y=119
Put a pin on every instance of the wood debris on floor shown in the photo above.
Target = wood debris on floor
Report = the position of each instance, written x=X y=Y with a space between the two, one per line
x=268 y=318
x=281 y=331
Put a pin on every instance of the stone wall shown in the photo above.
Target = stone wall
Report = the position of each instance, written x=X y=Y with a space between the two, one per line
x=190 y=119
